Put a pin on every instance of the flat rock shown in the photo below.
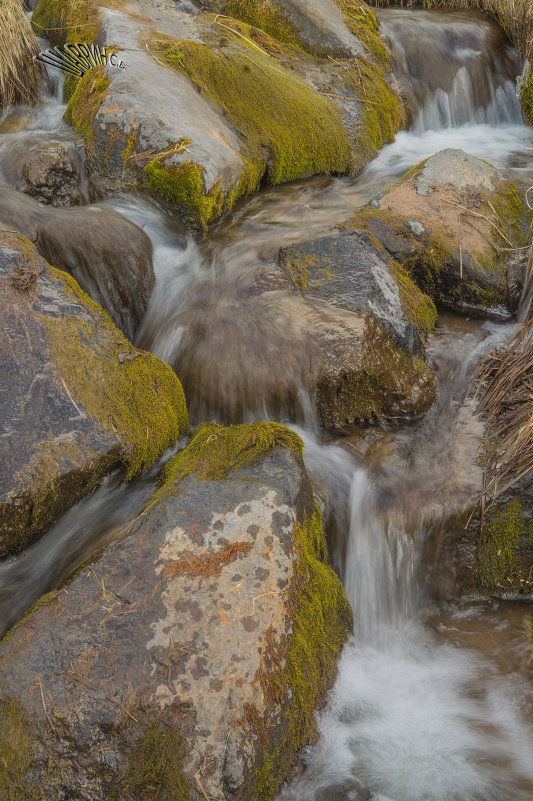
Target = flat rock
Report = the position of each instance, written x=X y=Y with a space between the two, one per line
x=177 y=655
x=76 y=399
x=109 y=256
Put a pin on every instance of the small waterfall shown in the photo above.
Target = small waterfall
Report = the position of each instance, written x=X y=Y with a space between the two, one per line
x=454 y=70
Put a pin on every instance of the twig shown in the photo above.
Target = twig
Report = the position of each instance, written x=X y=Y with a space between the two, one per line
x=81 y=414
x=47 y=716
x=490 y=242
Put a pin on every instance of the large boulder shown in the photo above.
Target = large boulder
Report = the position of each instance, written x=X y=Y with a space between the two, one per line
x=187 y=661
x=76 y=398
x=207 y=108
x=349 y=271
x=109 y=256
x=345 y=361
x=453 y=222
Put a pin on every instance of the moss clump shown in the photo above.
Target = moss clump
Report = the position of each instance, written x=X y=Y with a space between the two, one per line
x=512 y=213
x=297 y=268
x=288 y=129
x=418 y=308
x=154 y=767
x=67 y=21
x=526 y=96
x=383 y=112
x=83 y=105
x=130 y=392
x=504 y=533
x=269 y=17
x=182 y=186
x=16 y=753
x=214 y=452
x=362 y=22
x=322 y=618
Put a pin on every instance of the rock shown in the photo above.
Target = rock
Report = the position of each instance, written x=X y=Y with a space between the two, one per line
x=187 y=661
x=463 y=213
x=70 y=409
x=199 y=117
x=110 y=257
x=348 y=271
x=350 y=368
x=55 y=175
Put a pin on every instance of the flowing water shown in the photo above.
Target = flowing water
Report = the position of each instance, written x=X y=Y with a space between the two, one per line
x=433 y=702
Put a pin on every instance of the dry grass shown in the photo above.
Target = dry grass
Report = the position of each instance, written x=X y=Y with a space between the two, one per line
x=18 y=46
x=514 y=16
x=506 y=400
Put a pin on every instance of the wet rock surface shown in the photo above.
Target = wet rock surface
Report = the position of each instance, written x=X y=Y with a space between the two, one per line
x=73 y=401
x=348 y=271
x=465 y=220
x=110 y=257
x=55 y=175
x=162 y=665
x=350 y=368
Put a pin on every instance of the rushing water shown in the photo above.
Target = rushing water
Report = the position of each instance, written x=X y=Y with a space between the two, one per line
x=432 y=701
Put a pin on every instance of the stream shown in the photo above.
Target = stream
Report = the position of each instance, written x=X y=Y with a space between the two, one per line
x=433 y=700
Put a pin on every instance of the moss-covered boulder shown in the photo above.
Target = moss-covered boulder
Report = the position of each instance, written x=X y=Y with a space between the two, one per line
x=109 y=256
x=210 y=107
x=192 y=654
x=454 y=222
x=76 y=398
x=354 y=272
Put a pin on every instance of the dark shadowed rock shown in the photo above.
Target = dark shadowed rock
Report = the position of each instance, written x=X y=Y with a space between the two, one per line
x=56 y=175
x=110 y=257
x=192 y=654
x=75 y=398
x=453 y=222
x=349 y=271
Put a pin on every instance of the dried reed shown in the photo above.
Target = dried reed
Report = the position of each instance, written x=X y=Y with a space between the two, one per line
x=18 y=46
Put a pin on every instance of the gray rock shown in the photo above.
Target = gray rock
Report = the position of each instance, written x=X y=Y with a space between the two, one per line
x=348 y=271
x=174 y=636
x=70 y=409
x=110 y=257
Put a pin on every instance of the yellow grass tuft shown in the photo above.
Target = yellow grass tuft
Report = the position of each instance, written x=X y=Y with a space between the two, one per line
x=18 y=46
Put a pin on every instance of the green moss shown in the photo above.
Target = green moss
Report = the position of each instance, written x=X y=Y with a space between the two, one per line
x=16 y=753
x=497 y=553
x=268 y=16
x=362 y=22
x=513 y=213
x=140 y=399
x=383 y=112
x=154 y=766
x=418 y=308
x=214 y=452
x=526 y=96
x=288 y=129
x=182 y=186
x=321 y=619
x=67 y=21
x=297 y=269
x=83 y=105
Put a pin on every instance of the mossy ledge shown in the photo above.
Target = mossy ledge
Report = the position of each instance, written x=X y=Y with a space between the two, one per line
x=17 y=752
x=322 y=619
x=82 y=107
x=128 y=391
x=214 y=451
x=288 y=129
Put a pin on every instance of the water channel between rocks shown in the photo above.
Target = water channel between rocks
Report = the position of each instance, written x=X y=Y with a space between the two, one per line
x=433 y=702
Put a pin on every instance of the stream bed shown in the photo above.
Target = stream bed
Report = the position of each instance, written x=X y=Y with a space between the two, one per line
x=433 y=701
